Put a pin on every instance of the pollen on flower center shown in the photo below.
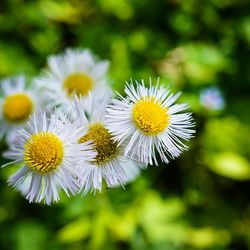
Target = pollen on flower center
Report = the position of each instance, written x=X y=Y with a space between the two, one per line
x=78 y=83
x=43 y=152
x=102 y=140
x=17 y=108
x=150 y=117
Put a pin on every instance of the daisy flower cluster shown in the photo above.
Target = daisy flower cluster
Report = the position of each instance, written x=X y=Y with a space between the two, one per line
x=67 y=131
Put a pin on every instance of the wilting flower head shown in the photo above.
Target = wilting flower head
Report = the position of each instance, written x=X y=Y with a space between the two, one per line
x=17 y=103
x=149 y=122
x=76 y=72
x=109 y=164
x=50 y=158
x=212 y=99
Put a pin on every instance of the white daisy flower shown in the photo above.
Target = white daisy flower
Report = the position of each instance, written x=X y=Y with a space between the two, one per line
x=17 y=103
x=109 y=164
x=76 y=72
x=50 y=158
x=150 y=123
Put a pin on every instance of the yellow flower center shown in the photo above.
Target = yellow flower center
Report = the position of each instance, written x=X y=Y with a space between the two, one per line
x=79 y=84
x=102 y=140
x=150 y=117
x=43 y=152
x=17 y=108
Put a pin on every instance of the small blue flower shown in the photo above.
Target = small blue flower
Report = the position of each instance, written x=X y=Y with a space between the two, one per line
x=211 y=98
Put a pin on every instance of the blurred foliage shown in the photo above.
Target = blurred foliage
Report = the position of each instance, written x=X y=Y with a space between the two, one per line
x=199 y=201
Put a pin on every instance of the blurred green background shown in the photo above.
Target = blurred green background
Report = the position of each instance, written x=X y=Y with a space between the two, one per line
x=199 y=201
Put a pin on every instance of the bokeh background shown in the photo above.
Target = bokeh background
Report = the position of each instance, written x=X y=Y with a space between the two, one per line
x=199 y=201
